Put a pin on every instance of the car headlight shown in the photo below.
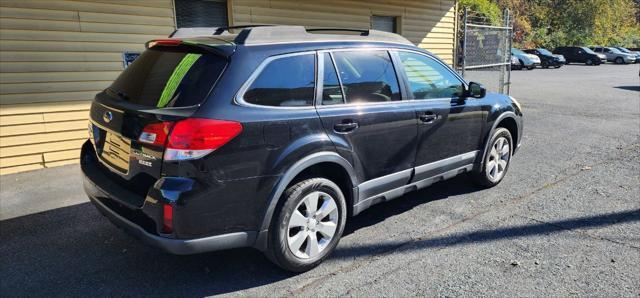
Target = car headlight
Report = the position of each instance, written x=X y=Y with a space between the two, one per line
x=515 y=102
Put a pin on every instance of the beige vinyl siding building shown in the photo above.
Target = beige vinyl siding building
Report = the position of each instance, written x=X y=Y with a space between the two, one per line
x=56 y=55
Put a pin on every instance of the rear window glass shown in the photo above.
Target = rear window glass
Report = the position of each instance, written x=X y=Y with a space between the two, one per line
x=284 y=82
x=169 y=77
x=367 y=76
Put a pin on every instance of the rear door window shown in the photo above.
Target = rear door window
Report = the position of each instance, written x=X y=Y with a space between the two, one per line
x=331 y=90
x=367 y=76
x=284 y=82
x=169 y=77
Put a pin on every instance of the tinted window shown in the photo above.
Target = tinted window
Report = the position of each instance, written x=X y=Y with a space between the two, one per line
x=168 y=77
x=331 y=91
x=367 y=76
x=285 y=82
x=428 y=78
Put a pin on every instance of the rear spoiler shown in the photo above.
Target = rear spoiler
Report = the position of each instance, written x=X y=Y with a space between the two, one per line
x=222 y=50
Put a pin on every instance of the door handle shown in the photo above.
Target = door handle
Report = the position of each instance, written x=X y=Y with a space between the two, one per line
x=428 y=117
x=345 y=127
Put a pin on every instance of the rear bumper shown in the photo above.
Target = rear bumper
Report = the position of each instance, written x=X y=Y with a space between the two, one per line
x=177 y=246
x=141 y=216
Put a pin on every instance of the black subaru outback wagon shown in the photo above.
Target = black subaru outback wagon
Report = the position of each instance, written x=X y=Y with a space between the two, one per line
x=272 y=137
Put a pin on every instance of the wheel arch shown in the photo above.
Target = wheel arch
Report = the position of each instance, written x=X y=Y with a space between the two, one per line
x=311 y=164
x=506 y=120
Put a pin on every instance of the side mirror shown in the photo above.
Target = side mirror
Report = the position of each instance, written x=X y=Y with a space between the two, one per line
x=475 y=90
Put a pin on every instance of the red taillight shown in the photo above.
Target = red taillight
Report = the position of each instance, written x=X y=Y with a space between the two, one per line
x=190 y=138
x=199 y=134
x=167 y=219
x=156 y=133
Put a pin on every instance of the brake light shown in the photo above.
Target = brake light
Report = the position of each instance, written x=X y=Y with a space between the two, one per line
x=164 y=42
x=167 y=218
x=193 y=138
x=156 y=133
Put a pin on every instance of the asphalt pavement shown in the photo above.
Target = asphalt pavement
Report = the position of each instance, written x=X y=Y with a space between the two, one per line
x=564 y=222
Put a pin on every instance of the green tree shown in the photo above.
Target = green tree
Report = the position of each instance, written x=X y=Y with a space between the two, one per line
x=484 y=11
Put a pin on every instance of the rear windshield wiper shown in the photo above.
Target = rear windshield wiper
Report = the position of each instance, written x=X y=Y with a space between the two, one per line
x=118 y=94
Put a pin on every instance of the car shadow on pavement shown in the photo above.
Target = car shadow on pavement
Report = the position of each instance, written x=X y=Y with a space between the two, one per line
x=489 y=235
x=73 y=251
x=630 y=88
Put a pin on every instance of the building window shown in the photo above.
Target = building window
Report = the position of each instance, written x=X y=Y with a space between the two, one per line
x=385 y=23
x=201 y=13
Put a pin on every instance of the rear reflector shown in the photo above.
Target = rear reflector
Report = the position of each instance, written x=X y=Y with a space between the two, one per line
x=167 y=219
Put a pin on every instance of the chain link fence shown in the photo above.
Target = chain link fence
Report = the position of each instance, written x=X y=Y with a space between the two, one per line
x=485 y=51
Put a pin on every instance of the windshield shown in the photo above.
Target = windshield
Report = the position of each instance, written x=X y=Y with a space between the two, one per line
x=517 y=52
x=588 y=50
x=615 y=50
x=545 y=52
x=168 y=76
x=624 y=50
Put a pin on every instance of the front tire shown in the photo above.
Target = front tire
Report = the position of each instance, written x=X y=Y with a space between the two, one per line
x=307 y=225
x=619 y=60
x=589 y=62
x=496 y=160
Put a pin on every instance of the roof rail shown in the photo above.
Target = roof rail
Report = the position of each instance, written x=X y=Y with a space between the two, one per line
x=264 y=34
x=363 y=32
x=221 y=30
x=208 y=31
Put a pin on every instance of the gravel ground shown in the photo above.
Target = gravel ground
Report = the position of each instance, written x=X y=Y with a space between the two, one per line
x=566 y=221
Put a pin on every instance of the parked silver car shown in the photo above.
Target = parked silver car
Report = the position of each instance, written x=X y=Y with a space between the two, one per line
x=627 y=51
x=615 y=55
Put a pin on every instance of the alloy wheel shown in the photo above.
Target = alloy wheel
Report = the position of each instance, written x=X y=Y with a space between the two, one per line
x=498 y=160
x=312 y=225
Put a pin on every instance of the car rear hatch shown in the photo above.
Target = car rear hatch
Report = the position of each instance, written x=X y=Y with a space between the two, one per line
x=128 y=120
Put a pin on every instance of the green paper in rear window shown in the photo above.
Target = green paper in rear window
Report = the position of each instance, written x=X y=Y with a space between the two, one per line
x=169 y=77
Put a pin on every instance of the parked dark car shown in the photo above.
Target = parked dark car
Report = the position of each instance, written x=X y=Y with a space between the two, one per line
x=580 y=55
x=547 y=59
x=271 y=138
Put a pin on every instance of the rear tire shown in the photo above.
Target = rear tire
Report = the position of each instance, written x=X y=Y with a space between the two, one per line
x=307 y=224
x=496 y=160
